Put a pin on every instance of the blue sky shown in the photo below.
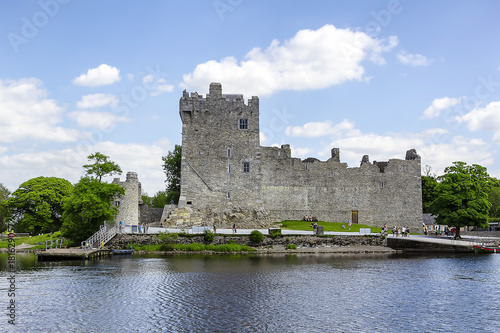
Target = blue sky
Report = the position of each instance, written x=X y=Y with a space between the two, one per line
x=368 y=77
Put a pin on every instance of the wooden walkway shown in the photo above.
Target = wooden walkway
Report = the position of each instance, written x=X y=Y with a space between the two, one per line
x=71 y=254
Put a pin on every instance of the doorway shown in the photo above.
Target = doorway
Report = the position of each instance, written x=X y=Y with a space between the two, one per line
x=354 y=216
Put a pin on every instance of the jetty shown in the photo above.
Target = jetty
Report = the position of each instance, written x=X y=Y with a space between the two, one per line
x=71 y=254
x=91 y=248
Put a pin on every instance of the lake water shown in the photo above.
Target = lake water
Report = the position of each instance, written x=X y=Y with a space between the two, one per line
x=280 y=293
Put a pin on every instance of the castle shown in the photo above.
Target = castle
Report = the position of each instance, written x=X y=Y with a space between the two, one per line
x=228 y=177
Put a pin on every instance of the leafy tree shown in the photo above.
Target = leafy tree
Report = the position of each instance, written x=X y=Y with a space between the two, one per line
x=37 y=205
x=159 y=200
x=172 y=169
x=429 y=193
x=88 y=208
x=494 y=199
x=461 y=197
x=91 y=202
x=4 y=195
x=101 y=167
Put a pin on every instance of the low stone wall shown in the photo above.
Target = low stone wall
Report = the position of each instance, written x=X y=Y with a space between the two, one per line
x=122 y=240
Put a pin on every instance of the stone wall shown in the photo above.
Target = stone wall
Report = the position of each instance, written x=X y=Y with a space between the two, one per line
x=226 y=173
x=149 y=215
x=123 y=240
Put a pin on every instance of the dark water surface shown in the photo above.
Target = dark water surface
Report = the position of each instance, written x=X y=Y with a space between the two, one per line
x=293 y=293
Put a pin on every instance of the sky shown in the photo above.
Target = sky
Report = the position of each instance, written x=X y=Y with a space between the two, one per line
x=372 y=78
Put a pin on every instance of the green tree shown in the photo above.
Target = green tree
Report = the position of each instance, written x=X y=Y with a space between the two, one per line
x=172 y=169
x=461 y=197
x=429 y=193
x=37 y=205
x=91 y=202
x=159 y=200
x=88 y=208
x=4 y=195
x=101 y=167
x=494 y=199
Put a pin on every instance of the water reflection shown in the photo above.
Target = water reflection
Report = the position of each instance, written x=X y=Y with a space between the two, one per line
x=283 y=293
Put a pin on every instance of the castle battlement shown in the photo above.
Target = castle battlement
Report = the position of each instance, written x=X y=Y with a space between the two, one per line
x=230 y=177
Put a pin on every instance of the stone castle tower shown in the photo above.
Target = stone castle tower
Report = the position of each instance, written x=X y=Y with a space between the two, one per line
x=228 y=177
x=128 y=211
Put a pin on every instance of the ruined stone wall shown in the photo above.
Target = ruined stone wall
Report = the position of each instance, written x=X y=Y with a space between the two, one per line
x=277 y=186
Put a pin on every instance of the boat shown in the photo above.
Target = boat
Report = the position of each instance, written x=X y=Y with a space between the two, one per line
x=115 y=251
x=486 y=249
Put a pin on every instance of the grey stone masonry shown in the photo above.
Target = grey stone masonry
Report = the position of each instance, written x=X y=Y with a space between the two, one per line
x=128 y=205
x=230 y=178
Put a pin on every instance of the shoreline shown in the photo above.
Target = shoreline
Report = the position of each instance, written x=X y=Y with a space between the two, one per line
x=361 y=249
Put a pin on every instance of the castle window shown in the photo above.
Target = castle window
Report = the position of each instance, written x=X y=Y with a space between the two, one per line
x=229 y=168
x=228 y=152
x=403 y=168
x=246 y=167
x=117 y=203
x=279 y=152
x=382 y=184
x=229 y=195
x=243 y=124
x=306 y=167
x=331 y=173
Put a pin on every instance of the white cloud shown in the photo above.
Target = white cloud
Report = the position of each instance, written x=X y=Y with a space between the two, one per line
x=27 y=113
x=440 y=104
x=95 y=119
x=487 y=118
x=312 y=59
x=97 y=100
x=301 y=152
x=156 y=86
x=100 y=76
x=263 y=138
x=145 y=159
x=130 y=76
x=317 y=129
x=413 y=59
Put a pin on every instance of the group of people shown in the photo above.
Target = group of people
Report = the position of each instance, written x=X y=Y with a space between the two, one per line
x=309 y=218
x=143 y=229
x=401 y=231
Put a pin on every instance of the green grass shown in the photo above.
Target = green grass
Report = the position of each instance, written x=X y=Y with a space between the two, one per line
x=328 y=226
x=33 y=240
x=194 y=247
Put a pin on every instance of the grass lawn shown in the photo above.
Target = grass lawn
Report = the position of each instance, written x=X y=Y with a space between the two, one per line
x=328 y=226
x=33 y=240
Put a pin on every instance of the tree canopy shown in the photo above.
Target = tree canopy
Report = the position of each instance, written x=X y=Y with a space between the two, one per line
x=37 y=205
x=101 y=167
x=4 y=195
x=92 y=200
x=462 y=198
x=172 y=169
x=159 y=200
x=88 y=208
x=429 y=193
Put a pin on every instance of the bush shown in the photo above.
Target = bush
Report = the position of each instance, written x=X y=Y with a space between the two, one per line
x=256 y=236
x=208 y=237
x=275 y=233
x=291 y=247
x=167 y=237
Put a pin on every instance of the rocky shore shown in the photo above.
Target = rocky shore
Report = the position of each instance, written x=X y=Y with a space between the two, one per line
x=305 y=244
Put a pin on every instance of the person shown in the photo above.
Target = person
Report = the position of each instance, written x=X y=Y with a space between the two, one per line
x=139 y=228
x=349 y=224
x=343 y=226
x=234 y=228
x=215 y=229
x=121 y=226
